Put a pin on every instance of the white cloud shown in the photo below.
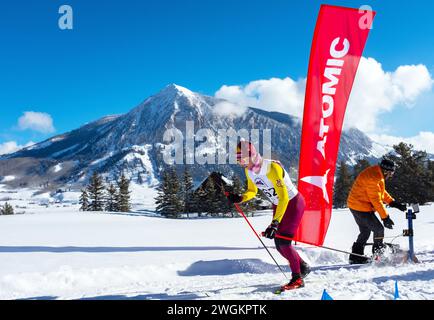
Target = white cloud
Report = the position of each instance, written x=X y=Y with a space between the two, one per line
x=229 y=109
x=374 y=93
x=412 y=80
x=37 y=121
x=282 y=95
x=12 y=146
x=424 y=141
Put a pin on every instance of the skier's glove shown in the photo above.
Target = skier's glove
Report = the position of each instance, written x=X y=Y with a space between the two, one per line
x=235 y=198
x=271 y=231
x=388 y=223
x=398 y=205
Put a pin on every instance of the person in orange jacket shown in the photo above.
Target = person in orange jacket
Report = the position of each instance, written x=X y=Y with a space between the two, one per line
x=367 y=196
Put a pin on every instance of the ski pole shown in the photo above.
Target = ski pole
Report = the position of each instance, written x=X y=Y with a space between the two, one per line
x=380 y=238
x=256 y=234
x=324 y=247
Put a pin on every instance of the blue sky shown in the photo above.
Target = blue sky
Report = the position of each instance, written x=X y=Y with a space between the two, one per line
x=120 y=52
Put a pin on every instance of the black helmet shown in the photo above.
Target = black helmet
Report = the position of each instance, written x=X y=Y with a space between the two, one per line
x=387 y=164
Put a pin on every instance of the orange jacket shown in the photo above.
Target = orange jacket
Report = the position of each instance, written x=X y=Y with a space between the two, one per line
x=369 y=193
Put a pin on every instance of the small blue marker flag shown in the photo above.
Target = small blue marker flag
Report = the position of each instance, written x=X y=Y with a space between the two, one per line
x=396 y=295
x=326 y=296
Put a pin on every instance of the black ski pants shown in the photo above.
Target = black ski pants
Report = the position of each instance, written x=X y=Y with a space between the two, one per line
x=368 y=222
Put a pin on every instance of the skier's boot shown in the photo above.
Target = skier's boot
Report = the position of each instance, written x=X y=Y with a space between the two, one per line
x=295 y=283
x=304 y=269
x=358 y=249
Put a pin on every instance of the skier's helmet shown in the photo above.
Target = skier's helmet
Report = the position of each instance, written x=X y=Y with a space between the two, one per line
x=388 y=165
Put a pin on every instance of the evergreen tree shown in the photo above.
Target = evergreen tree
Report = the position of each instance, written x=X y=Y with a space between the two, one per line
x=161 y=200
x=175 y=193
x=84 y=200
x=96 y=193
x=188 y=193
x=168 y=200
x=112 y=199
x=210 y=202
x=342 y=186
x=361 y=165
x=7 y=209
x=200 y=197
x=411 y=182
x=124 y=203
x=431 y=173
x=195 y=202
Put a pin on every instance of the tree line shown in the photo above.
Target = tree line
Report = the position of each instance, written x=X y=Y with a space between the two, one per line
x=413 y=181
x=97 y=196
x=177 y=196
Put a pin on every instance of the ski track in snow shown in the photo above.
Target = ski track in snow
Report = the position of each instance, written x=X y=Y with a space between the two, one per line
x=60 y=253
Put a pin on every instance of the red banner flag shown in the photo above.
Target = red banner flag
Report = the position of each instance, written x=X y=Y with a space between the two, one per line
x=338 y=43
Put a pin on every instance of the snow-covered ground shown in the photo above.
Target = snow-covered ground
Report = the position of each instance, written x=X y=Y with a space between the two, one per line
x=53 y=251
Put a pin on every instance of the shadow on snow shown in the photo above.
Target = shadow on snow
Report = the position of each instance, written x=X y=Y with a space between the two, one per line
x=40 y=298
x=228 y=267
x=425 y=275
x=150 y=296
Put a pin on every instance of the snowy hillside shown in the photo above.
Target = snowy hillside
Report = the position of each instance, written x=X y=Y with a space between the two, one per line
x=57 y=252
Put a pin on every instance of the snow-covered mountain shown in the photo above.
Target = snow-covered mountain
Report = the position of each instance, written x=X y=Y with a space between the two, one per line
x=133 y=142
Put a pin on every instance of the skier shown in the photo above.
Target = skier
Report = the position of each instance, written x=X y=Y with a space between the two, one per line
x=288 y=205
x=368 y=194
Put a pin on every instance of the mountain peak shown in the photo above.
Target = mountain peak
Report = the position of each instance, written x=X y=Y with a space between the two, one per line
x=176 y=96
x=176 y=89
